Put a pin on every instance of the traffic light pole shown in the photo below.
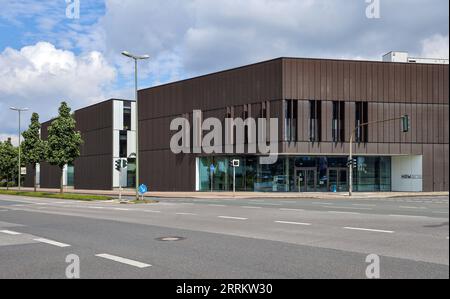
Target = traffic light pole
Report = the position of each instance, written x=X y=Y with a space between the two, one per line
x=405 y=125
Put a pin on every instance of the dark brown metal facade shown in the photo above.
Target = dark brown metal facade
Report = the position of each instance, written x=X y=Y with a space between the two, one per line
x=50 y=176
x=390 y=89
x=93 y=169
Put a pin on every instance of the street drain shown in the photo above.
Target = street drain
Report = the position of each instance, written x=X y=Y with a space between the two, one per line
x=170 y=239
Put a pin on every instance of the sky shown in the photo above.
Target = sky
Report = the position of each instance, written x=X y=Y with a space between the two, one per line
x=50 y=54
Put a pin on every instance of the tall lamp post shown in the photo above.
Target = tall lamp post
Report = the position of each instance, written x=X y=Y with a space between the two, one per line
x=136 y=58
x=19 y=110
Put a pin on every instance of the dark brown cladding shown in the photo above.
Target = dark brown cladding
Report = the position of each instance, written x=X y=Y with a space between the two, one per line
x=50 y=176
x=93 y=169
x=391 y=90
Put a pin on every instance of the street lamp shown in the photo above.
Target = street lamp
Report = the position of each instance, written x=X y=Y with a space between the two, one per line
x=136 y=58
x=20 y=110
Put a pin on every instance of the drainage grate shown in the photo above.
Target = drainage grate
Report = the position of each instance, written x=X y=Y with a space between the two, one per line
x=170 y=239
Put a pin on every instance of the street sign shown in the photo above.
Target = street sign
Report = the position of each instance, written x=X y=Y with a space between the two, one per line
x=236 y=163
x=143 y=189
x=23 y=171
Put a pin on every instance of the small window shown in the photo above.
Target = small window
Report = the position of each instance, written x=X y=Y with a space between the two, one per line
x=338 y=124
x=361 y=118
x=123 y=150
x=315 y=121
x=127 y=116
x=291 y=117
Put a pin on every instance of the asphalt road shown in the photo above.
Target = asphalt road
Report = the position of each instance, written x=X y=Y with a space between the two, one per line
x=225 y=238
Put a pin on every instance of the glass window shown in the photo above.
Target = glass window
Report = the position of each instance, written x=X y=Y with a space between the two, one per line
x=123 y=151
x=315 y=121
x=362 y=117
x=127 y=116
x=338 y=123
x=291 y=116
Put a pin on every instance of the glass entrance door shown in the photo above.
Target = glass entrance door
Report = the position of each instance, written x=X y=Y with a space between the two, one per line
x=338 y=180
x=306 y=179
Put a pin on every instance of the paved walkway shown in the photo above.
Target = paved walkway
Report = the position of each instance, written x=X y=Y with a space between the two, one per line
x=212 y=195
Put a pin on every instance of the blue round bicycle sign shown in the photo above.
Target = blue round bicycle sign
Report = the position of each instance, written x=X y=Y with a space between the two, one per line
x=143 y=189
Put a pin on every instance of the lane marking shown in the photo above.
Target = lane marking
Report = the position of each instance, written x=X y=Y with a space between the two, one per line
x=370 y=230
x=151 y=211
x=363 y=205
x=323 y=203
x=186 y=214
x=9 y=232
x=123 y=260
x=270 y=204
x=215 y=205
x=349 y=208
x=18 y=205
x=292 y=210
x=121 y=209
x=294 y=223
x=412 y=208
x=346 y=213
x=232 y=218
x=51 y=242
x=249 y=207
x=409 y=216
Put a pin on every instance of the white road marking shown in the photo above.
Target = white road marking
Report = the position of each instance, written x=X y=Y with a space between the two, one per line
x=408 y=216
x=270 y=204
x=151 y=211
x=292 y=210
x=51 y=242
x=121 y=209
x=370 y=230
x=346 y=213
x=18 y=205
x=249 y=207
x=123 y=260
x=323 y=203
x=294 y=223
x=413 y=208
x=363 y=205
x=214 y=205
x=186 y=214
x=349 y=208
x=8 y=232
x=233 y=218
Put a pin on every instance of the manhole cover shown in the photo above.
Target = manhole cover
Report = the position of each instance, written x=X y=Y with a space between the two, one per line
x=170 y=239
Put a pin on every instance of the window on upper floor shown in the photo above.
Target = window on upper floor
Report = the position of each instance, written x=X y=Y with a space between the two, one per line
x=315 y=121
x=291 y=120
x=361 y=117
x=338 y=123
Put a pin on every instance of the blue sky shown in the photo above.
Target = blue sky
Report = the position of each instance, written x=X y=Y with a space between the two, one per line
x=46 y=57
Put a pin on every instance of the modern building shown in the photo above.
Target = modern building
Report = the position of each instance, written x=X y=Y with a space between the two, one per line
x=109 y=134
x=317 y=103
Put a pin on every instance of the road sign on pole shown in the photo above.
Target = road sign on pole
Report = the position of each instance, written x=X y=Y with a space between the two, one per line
x=235 y=164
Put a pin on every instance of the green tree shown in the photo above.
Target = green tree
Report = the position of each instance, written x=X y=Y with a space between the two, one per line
x=9 y=156
x=33 y=147
x=63 y=142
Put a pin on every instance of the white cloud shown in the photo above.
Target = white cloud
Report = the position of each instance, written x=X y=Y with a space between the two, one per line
x=41 y=76
x=436 y=46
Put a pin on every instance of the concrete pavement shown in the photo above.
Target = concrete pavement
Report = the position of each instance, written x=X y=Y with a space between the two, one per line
x=228 y=238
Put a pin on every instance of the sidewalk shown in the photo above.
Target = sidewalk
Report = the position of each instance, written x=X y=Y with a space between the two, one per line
x=244 y=195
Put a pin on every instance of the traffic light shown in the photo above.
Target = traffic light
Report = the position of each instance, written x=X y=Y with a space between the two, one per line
x=119 y=165
x=405 y=123
x=353 y=163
